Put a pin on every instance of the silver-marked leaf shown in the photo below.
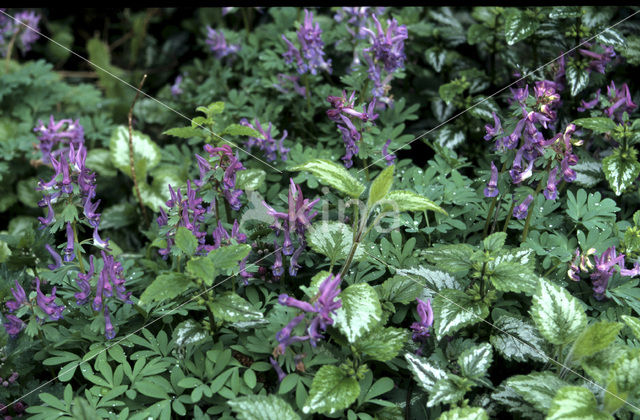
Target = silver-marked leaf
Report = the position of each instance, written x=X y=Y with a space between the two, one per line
x=400 y=200
x=250 y=179
x=231 y=307
x=633 y=323
x=333 y=240
x=517 y=340
x=578 y=78
x=465 y=413
x=434 y=280
x=621 y=169
x=537 y=388
x=559 y=316
x=333 y=175
x=623 y=380
x=453 y=258
x=611 y=37
x=454 y=310
x=595 y=337
x=597 y=124
x=475 y=361
x=424 y=372
x=262 y=407
x=146 y=153
x=164 y=287
x=446 y=391
x=588 y=173
x=436 y=56
x=518 y=26
x=331 y=390
x=99 y=160
x=575 y=403
x=360 y=312
x=380 y=186
x=382 y=344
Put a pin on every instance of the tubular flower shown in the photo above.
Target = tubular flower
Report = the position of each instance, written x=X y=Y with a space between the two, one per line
x=599 y=60
x=62 y=133
x=551 y=191
x=421 y=329
x=109 y=331
x=20 y=298
x=25 y=35
x=520 y=211
x=176 y=90
x=293 y=80
x=492 y=186
x=390 y=158
x=13 y=325
x=231 y=164
x=584 y=105
x=310 y=56
x=47 y=303
x=278 y=369
x=267 y=144
x=56 y=258
x=218 y=43
x=620 y=100
x=69 y=255
x=83 y=282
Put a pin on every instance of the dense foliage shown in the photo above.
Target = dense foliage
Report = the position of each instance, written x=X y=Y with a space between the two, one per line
x=362 y=213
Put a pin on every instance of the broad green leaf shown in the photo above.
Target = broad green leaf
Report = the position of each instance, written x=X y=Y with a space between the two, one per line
x=314 y=286
x=595 y=337
x=186 y=241
x=433 y=280
x=599 y=365
x=511 y=276
x=165 y=175
x=99 y=160
x=380 y=186
x=578 y=78
x=575 y=403
x=424 y=372
x=227 y=257
x=240 y=130
x=189 y=332
x=588 y=173
x=621 y=169
x=633 y=323
x=518 y=26
x=436 y=56
x=537 y=388
x=624 y=380
x=382 y=344
x=494 y=242
x=151 y=196
x=333 y=240
x=27 y=193
x=262 y=407
x=560 y=317
x=331 y=391
x=231 y=307
x=465 y=413
x=612 y=37
x=333 y=175
x=184 y=132
x=250 y=179
x=146 y=153
x=399 y=200
x=517 y=340
x=598 y=124
x=165 y=286
x=452 y=258
x=360 y=312
x=475 y=361
x=202 y=268
x=449 y=91
x=399 y=289
x=454 y=310
x=446 y=391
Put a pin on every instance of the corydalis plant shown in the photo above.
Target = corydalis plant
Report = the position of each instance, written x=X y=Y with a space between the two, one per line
x=44 y=306
x=218 y=43
x=270 y=146
x=21 y=35
x=309 y=58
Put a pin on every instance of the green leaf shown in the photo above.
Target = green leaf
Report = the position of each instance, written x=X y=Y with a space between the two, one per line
x=560 y=317
x=314 y=285
x=331 y=390
x=454 y=310
x=633 y=323
x=611 y=37
x=595 y=337
x=203 y=269
x=231 y=307
x=621 y=169
x=227 y=257
x=446 y=391
x=333 y=240
x=518 y=26
x=99 y=160
x=399 y=289
x=465 y=413
x=475 y=361
x=578 y=78
x=150 y=195
x=400 y=200
x=262 y=407
x=436 y=57
x=591 y=211
x=433 y=280
x=512 y=276
x=517 y=340
x=240 y=130
x=184 y=132
x=380 y=186
x=494 y=242
x=186 y=241
x=600 y=125
x=250 y=179
x=146 y=153
x=452 y=258
x=575 y=403
x=537 y=388
x=424 y=372
x=624 y=380
x=382 y=344
x=333 y=175
x=360 y=311
x=164 y=287
x=449 y=91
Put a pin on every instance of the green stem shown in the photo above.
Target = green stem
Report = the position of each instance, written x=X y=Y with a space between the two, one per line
x=354 y=246
x=509 y=214
x=77 y=250
x=492 y=206
x=305 y=78
x=484 y=267
x=10 y=48
x=525 y=232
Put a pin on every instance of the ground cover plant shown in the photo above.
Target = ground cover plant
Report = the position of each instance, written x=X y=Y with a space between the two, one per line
x=297 y=213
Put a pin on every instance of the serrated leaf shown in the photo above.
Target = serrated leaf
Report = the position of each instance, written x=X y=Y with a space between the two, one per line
x=146 y=153
x=250 y=179
x=333 y=240
x=400 y=200
x=610 y=36
x=380 y=186
x=164 y=287
x=517 y=340
x=434 y=280
x=633 y=323
x=227 y=257
x=186 y=241
x=331 y=391
x=262 y=407
x=494 y=242
x=240 y=130
x=537 y=388
x=360 y=312
x=454 y=310
x=595 y=337
x=99 y=160
x=231 y=307
x=621 y=169
x=203 y=269
x=333 y=175
x=436 y=57
x=465 y=413
x=575 y=403
x=400 y=289
x=150 y=196
x=445 y=391
x=588 y=173
x=511 y=276
x=184 y=132
x=623 y=381
x=382 y=344
x=452 y=258
x=578 y=78
x=598 y=124
x=559 y=317
x=424 y=372
x=475 y=361
x=518 y=26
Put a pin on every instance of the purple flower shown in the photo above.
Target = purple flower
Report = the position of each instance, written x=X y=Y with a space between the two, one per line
x=284 y=335
x=277 y=269
x=311 y=48
x=297 y=88
x=13 y=325
x=388 y=157
x=97 y=240
x=20 y=298
x=568 y=173
x=47 y=304
x=521 y=210
x=495 y=130
x=83 y=283
x=278 y=369
x=176 y=90
x=65 y=132
x=267 y=144
x=388 y=47
x=26 y=36
x=56 y=258
x=109 y=331
x=287 y=300
x=589 y=104
x=620 y=100
x=218 y=44
x=492 y=187
x=599 y=60
x=45 y=221
x=69 y=255
x=551 y=190
x=231 y=164
x=421 y=329
x=604 y=268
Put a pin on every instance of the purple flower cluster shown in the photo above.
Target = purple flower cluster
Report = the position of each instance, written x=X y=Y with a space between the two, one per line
x=598 y=61
x=620 y=100
x=63 y=133
x=390 y=158
x=230 y=163
x=421 y=329
x=270 y=146
x=13 y=325
x=602 y=270
x=356 y=18
x=218 y=43
x=10 y=380
x=176 y=90
x=385 y=54
x=293 y=80
x=310 y=56
x=292 y=224
x=322 y=307
x=343 y=113
x=26 y=36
